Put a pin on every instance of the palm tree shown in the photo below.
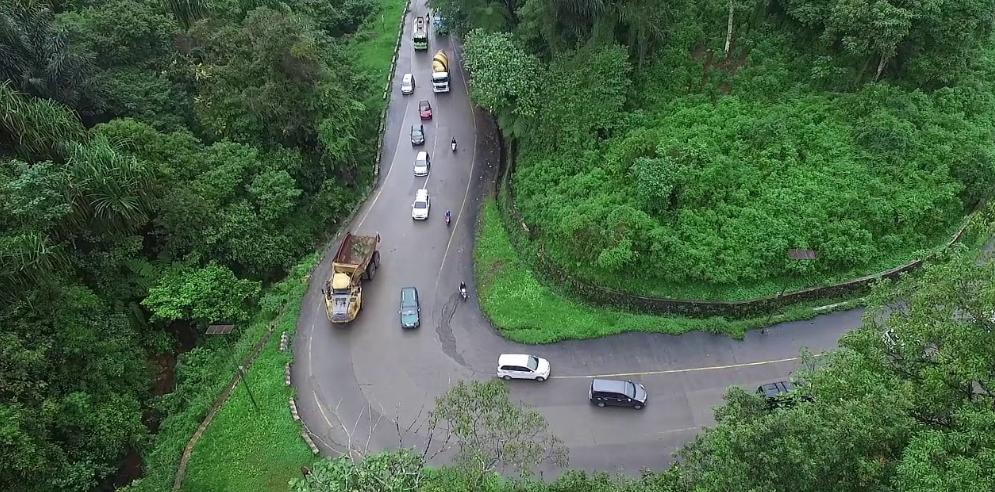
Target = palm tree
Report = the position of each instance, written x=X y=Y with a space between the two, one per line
x=36 y=57
x=110 y=191
x=37 y=129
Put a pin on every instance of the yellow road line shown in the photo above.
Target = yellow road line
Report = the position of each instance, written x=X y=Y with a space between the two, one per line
x=676 y=371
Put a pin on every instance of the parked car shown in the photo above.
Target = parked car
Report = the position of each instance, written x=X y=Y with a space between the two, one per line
x=410 y=309
x=417 y=134
x=408 y=84
x=419 y=209
x=424 y=109
x=617 y=393
x=522 y=366
x=422 y=164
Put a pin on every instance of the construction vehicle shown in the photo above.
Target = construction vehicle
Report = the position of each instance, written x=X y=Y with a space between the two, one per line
x=356 y=260
x=420 y=36
x=440 y=72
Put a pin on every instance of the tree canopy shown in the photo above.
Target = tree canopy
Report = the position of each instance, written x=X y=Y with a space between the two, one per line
x=159 y=163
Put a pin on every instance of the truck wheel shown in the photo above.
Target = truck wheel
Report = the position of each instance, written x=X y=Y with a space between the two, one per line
x=371 y=270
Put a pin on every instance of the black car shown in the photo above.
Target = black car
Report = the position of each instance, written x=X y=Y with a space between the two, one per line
x=611 y=392
x=410 y=309
x=780 y=393
x=417 y=134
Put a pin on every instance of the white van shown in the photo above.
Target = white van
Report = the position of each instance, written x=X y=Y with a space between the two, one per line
x=419 y=209
x=408 y=84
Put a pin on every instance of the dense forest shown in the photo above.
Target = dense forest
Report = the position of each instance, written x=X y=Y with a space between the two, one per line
x=905 y=404
x=705 y=139
x=160 y=164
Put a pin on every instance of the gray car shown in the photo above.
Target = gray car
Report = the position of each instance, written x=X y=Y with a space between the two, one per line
x=417 y=134
x=410 y=309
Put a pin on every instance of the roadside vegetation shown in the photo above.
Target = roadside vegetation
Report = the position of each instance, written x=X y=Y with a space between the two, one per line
x=162 y=165
x=906 y=403
x=528 y=311
x=680 y=149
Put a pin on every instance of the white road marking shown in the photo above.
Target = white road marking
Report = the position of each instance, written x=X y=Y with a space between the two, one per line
x=677 y=371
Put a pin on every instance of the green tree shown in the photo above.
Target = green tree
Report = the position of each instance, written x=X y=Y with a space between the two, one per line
x=39 y=59
x=505 y=79
x=391 y=471
x=494 y=433
x=203 y=295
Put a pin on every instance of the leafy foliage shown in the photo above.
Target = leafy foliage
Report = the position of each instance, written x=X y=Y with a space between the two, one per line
x=492 y=432
x=159 y=163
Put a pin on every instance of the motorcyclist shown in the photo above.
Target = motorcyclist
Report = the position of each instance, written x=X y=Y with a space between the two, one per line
x=449 y=216
x=462 y=289
x=454 y=143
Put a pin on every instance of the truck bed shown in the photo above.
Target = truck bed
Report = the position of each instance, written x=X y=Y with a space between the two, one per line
x=356 y=250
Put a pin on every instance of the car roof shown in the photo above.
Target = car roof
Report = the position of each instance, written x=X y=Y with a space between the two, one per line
x=423 y=101
x=513 y=359
x=407 y=77
x=421 y=194
x=771 y=390
x=421 y=156
x=609 y=385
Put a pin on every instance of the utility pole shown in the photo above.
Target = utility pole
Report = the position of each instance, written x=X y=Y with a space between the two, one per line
x=241 y=372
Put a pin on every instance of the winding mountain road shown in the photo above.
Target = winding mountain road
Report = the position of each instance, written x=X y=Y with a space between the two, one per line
x=354 y=381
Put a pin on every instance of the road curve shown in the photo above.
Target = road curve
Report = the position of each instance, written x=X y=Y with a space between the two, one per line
x=354 y=382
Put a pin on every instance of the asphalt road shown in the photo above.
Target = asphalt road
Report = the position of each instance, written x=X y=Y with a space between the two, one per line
x=357 y=384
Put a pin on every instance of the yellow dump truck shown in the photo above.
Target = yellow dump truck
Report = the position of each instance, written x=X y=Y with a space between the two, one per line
x=356 y=259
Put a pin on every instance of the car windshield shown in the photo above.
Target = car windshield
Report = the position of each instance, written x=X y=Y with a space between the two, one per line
x=533 y=363
x=630 y=389
x=421 y=205
x=420 y=163
x=407 y=299
x=423 y=105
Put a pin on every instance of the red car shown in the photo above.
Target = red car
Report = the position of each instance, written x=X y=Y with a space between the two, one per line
x=424 y=110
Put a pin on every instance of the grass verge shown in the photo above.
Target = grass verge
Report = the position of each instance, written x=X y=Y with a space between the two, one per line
x=203 y=373
x=526 y=311
x=246 y=448
x=374 y=43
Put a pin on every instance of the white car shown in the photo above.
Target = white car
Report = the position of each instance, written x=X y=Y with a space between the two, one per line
x=408 y=84
x=522 y=366
x=422 y=164
x=419 y=209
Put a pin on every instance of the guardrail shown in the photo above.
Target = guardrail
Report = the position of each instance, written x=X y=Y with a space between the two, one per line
x=607 y=297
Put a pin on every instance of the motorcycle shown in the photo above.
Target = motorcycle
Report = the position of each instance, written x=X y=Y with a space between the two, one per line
x=453 y=143
x=462 y=291
x=449 y=218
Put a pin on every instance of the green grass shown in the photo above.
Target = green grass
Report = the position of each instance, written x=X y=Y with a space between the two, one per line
x=249 y=449
x=374 y=43
x=526 y=311
x=202 y=375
